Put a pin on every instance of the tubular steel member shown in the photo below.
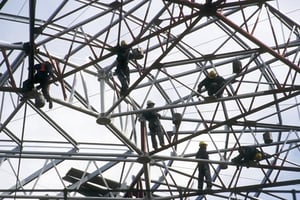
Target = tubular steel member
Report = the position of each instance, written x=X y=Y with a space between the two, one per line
x=257 y=42
x=32 y=4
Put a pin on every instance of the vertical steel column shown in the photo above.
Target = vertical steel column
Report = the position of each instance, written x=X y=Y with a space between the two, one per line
x=101 y=78
x=143 y=136
x=146 y=165
x=32 y=4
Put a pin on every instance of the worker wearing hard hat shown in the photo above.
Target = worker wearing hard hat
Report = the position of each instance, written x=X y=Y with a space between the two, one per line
x=248 y=154
x=203 y=167
x=43 y=72
x=122 y=71
x=154 y=125
x=213 y=83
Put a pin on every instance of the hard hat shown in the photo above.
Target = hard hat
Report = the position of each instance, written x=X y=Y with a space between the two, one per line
x=201 y=143
x=212 y=74
x=149 y=102
x=258 y=156
x=123 y=43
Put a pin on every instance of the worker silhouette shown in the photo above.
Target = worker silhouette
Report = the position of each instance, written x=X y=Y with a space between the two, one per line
x=42 y=74
x=122 y=71
x=213 y=83
x=248 y=155
x=203 y=168
x=154 y=125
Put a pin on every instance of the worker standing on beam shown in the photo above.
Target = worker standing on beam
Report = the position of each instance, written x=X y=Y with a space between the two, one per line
x=203 y=168
x=154 y=125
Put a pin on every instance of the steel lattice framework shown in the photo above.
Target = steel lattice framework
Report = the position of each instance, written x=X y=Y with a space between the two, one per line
x=92 y=143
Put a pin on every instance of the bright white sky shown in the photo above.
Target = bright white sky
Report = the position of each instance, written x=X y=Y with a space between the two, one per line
x=84 y=128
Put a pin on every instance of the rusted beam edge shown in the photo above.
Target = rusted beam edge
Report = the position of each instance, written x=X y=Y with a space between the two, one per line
x=240 y=131
x=9 y=70
x=258 y=146
x=91 y=39
x=257 y=42
x=260 y=127
x=186 y=3
x=235 y=118
x=156 y=64
x=72 y=28
x=243 y=3
x=229 y=98
x=243 y=53
x=283 y=18
x=260 y=166
x=94 y=62
x=219 y=3
x=264 y=125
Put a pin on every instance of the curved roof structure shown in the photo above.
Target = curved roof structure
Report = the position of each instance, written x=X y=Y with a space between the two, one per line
x=94 y=142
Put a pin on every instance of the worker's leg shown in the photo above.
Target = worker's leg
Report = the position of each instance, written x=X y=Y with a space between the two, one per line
x=207 y=177
x=153 y=140
x=160 y=136
x=200 y=179
x=123 y=80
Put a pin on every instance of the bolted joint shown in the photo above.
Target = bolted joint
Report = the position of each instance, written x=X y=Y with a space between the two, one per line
x=209 y=9
x=103 y=119
x=144 y=159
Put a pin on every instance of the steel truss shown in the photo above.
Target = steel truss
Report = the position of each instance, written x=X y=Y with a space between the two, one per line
x=93 y=145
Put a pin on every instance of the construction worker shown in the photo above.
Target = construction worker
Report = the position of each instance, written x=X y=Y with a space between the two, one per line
x=42 y=74
x=122 y=71
x=154 y=125
x=203 y=168
x=247 y=155
x=213 y=83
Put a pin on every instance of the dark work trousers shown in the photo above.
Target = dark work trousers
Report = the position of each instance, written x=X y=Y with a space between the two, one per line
x=203 y=171
x=43 y=79
x=123 y=76
x=156 y=129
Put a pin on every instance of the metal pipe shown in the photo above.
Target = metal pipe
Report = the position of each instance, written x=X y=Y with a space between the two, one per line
x=258 y=42
x=32 y=4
